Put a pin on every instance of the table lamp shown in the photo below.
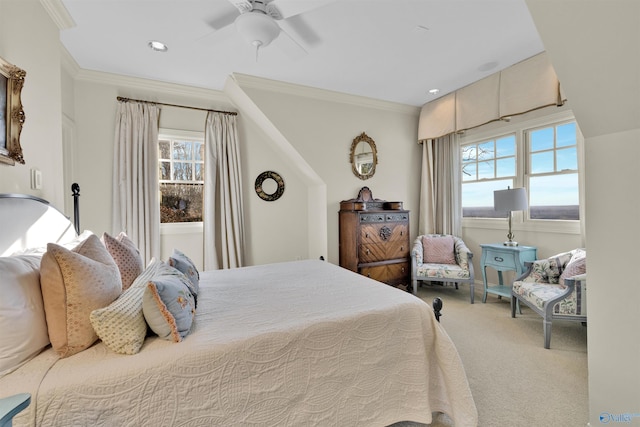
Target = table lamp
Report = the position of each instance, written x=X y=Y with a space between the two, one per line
x=509 y=200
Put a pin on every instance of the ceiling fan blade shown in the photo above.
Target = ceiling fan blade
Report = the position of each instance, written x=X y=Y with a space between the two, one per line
x=300 y=30
x=289 y=45
x=219 y=22
x=288 y=8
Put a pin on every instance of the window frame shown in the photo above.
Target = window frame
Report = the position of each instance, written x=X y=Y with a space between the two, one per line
x=180 y=227
x=520 y=126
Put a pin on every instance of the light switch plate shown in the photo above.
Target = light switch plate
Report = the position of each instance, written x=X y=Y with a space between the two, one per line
x=36 y=179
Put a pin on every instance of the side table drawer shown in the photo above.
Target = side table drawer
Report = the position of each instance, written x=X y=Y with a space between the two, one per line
x=500 y=260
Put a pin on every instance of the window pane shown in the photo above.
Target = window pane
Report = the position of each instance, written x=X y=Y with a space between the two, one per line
x=567 y=159
x=506 y=167
x=199 y=150
x=486 y=150
x=554 y=197
x=165 y=170
x=469 y=172
x=477 y=198
x=181 y=202
x=506 y=146
x=182 y=150
x=486 y=170
x=469 y=153
x=164 y=149
x=566 y=135
x=542 y=162
x=199 y=172
x=542 y=139
x=182 y=171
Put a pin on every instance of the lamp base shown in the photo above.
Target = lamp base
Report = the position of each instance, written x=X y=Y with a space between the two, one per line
x=510 y=243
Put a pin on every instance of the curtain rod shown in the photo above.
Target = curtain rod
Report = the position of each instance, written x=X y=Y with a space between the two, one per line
x=231 y=113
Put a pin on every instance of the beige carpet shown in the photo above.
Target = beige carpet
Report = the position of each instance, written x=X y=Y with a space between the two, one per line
x=514 y=380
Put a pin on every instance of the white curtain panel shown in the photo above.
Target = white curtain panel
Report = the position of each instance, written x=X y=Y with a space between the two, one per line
x=440 y=198
x=136 y=209
x=223 y=214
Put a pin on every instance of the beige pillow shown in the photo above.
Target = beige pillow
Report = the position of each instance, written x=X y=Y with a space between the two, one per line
x=121 y=325
x=74 y=283
x=438 y=250
x=126 y=255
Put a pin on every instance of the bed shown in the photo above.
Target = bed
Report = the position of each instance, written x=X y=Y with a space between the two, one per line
x=293 y=343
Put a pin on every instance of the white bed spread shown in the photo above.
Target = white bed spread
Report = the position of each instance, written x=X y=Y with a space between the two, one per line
x=292 y=344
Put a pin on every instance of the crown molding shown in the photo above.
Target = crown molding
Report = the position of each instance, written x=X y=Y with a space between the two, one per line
x=58 y=14
x=150 y=85
x=252 y=82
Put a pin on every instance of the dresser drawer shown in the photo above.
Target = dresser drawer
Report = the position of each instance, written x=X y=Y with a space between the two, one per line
x=374 y=252
x=386 y=232
x=392 y=274
x=500 y=260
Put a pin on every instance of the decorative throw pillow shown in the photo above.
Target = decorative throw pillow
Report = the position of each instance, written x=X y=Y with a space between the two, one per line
x=74 y=283
x=438 y=250
x=169 y=307
x=121 y=325
x=23 y=328
x=577 y=265
x=183 y=263
x=126 y=255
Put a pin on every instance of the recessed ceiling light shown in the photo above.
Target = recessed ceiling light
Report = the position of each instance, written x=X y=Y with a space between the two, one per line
x=158 y=46
x=434 y=91
x=488 y=66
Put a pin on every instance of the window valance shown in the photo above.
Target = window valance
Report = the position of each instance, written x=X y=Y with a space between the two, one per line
x=523 y=87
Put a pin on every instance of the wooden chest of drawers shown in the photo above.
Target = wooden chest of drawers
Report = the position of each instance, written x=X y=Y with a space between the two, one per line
x=374 y=241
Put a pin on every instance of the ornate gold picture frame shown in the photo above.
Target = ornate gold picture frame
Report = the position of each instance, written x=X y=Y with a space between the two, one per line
x=11 y=112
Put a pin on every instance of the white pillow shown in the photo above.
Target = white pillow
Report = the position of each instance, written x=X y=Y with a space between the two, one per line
x=23 y=328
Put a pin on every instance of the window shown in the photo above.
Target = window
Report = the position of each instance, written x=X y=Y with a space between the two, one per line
x=181 y=172
x=553 y=172
x=543 y=159
x=486 y=166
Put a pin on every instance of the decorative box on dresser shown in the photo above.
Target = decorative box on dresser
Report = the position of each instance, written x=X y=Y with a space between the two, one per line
x=374 y=239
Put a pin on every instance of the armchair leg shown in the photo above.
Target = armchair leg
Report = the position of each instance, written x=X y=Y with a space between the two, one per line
x=472 y=288
x=414 y=285
x=514 y=302
x=547 y=333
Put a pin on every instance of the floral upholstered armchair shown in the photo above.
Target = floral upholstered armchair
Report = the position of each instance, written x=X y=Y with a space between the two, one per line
x=441 y=258
x=555 y=288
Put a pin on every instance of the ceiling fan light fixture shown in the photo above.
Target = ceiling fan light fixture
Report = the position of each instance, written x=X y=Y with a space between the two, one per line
x=257 y=28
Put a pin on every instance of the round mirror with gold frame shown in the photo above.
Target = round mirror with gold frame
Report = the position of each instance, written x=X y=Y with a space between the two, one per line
x=363 y=156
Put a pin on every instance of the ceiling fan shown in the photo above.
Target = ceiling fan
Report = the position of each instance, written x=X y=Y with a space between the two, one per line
x=257 y=21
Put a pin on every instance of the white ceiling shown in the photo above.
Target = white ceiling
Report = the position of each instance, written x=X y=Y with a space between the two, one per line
x=371 y=48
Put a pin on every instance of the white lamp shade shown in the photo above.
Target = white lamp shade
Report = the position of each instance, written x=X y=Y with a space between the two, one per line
x=513 y=199
x=257 y=28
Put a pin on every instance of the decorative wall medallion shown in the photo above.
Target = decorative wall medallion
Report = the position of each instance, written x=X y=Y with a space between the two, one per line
x=279 y=183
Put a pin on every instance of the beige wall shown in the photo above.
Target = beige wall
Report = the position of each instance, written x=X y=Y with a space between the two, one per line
x=31 y=43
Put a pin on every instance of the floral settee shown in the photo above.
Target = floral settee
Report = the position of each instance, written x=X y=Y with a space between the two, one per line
x=442 y=258
x=555 y=288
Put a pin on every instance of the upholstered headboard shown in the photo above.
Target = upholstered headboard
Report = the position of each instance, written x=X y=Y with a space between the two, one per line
x=31 y=222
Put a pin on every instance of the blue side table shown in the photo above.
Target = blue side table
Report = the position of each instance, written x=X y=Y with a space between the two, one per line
x=504 y=258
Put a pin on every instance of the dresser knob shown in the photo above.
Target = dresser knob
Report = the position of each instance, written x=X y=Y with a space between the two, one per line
x=366 y=235
x=368 y=252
